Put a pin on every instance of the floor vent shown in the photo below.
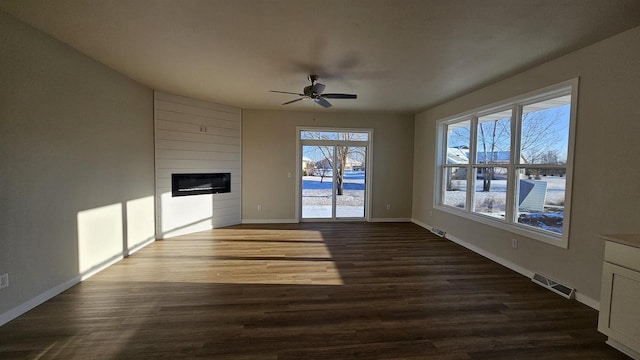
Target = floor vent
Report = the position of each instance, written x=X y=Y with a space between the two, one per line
x=554 y=286
x=438 y=232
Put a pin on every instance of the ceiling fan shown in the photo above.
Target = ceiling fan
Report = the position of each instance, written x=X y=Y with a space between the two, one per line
x=315 y=92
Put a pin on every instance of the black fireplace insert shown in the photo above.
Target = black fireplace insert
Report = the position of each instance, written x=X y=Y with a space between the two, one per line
x=198 y=184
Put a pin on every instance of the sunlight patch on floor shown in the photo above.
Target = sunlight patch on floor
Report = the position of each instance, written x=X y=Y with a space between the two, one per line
x=233 y=256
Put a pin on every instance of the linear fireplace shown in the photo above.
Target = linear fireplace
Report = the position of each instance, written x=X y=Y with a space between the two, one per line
x=198 y=184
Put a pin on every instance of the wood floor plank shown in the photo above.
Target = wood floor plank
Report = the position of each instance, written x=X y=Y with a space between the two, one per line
x=307 y=291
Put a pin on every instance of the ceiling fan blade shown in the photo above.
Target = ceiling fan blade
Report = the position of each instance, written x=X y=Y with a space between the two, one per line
x=318 y=88
x=340 y=96
x=322 y=102
x=286 y=92
x=292 y=101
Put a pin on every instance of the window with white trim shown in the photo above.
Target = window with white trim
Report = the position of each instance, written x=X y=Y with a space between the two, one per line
x=509 y=164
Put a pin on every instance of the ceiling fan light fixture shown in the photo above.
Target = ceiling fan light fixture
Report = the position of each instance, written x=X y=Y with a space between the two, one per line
x=315 y=91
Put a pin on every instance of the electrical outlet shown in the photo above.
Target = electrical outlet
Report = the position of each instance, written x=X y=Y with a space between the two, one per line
x=514 y=243
x=4 y=280
x=259 y=207
x=388 y=206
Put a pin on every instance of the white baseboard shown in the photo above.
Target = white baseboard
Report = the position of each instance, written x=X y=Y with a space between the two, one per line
x=140 y=246
x=592 y=303
x=39 y=299
x=295 y=221
x=26 y=306
x=390 y=220
x=269 y=221
x=420 y=223
x=506 y=263
x=103 y=265
x=623 y=348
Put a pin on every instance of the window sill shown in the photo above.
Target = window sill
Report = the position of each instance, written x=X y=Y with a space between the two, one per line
x=543 y=236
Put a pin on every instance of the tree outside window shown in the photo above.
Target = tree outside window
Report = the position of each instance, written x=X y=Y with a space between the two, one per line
x=511 y=164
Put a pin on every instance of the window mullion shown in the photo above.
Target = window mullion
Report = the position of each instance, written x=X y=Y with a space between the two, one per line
x=513 y=170
x=444 y=150
x=473 y=154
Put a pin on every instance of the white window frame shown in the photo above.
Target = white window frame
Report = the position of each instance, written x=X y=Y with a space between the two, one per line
x=569 y=87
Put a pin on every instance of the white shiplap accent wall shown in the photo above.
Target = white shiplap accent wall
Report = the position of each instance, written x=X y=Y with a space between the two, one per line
x=194 y=136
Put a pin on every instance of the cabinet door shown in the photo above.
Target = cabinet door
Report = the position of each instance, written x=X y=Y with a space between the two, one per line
x=620 y=305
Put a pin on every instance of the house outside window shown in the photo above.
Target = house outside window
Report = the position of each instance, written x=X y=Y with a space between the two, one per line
x=509 y=164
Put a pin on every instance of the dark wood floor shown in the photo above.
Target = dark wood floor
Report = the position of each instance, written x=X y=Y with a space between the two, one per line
x=308 y=291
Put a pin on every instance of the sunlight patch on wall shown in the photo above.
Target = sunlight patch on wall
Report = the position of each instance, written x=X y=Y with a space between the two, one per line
x=100 y=236
x=140 y=221
x=185 y=214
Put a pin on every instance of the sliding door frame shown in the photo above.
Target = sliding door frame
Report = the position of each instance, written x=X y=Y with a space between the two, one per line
x=368 y=168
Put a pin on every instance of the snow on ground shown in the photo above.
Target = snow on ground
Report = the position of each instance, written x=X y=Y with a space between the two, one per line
x=555 y=192
x=317 y=190
x=324 y=211
x=551 y=221
x=492 y=203
x=316 y=199
x=317 y=195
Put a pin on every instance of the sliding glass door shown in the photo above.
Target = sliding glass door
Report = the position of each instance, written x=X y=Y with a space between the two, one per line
x=333 y=179
x=350 y=183
x=317 y=183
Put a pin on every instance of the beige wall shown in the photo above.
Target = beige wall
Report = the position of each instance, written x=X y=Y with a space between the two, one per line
x=606 y=189
x=269 y=154
x=76 y=155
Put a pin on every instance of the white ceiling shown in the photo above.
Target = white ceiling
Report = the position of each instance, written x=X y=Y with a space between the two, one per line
x=397 y=55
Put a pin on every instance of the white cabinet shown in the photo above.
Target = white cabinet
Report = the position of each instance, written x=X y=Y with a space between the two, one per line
x=619 y=317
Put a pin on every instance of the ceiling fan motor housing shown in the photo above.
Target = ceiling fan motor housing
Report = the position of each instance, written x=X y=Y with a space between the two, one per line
x=313 y=91
x=307 y=91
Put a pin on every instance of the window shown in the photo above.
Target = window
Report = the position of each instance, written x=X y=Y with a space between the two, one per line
x=509 y=164
x=334 y=135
